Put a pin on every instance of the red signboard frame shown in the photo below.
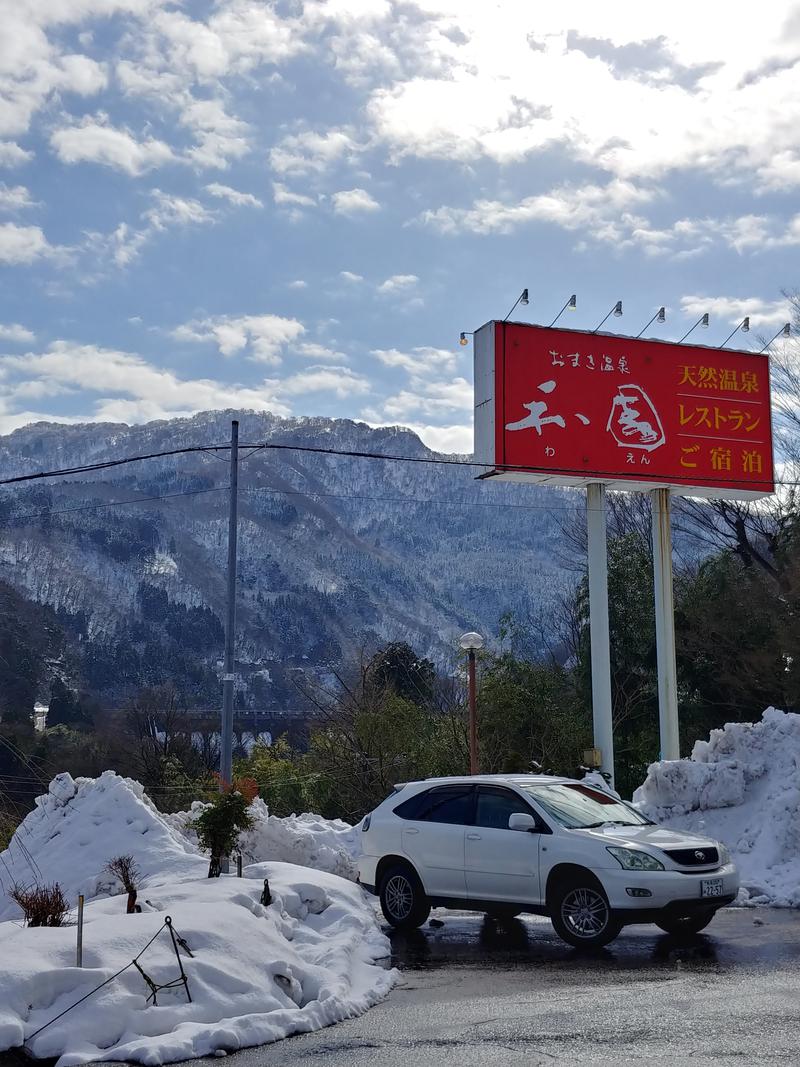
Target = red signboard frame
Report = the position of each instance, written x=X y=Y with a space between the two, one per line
x=568 y=407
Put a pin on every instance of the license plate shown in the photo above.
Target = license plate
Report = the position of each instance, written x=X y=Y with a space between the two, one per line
x=711 y=887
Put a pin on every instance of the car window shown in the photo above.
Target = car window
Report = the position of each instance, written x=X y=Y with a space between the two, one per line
x=451 y=804
x=495 y=806
x=415 y=807
x=578 y=806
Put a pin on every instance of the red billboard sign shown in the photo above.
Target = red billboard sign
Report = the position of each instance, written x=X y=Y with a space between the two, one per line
x=569 y=408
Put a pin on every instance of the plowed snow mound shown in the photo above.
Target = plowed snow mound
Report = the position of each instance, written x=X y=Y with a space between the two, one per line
x=255 y=973
x=78 y=826
x=741 y=787
x=309 y=840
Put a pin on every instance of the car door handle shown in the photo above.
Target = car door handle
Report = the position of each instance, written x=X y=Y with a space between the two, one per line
x=411 y=830
x=473 y=837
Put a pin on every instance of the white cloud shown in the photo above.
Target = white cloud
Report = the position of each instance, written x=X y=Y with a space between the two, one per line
x=125 y=243
x=298 y=283
x=312 y=350
x=623 y=90
x=354 y=202
x=734 y=310
x=398 y=283
x=169 y=210
x=11 y=155
x=233 y=196
x=94 y=141
x=348 y=276
x=262 y=337
x=283 y=196
x=130 y=388
x=238 y=37
x=600 y=211
x=16 y=333
x=341 y=381
x=688 y=236
x=312 y=153
x=456 y=438
x=421 y=362
x=24 y=244
x=221 y=137
x=452 y=438
x=434 y=399
x=15 y=197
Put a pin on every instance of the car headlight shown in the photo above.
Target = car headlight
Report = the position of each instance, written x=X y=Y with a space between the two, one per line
x=632 y=860
x=724 y=853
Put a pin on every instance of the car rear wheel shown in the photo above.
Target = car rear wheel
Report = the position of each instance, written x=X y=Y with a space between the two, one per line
x=403 y=900
x=687 y=924
x=582 y=916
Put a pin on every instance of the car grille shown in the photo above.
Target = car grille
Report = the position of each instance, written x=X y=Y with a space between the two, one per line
x=693 y=857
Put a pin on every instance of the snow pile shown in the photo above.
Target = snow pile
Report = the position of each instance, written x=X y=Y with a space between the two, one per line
x=256 y=973
x=741 y=787
x=309 y=840
x=78 y=826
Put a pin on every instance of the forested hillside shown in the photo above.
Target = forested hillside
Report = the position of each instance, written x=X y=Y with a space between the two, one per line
x=337 y=555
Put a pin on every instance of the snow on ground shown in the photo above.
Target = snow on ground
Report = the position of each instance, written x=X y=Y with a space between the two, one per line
x=325 y=844
x=741 y=787
x=78 y=826
x=258 y=973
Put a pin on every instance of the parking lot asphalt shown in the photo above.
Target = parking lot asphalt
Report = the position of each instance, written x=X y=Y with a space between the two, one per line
x=473 y=992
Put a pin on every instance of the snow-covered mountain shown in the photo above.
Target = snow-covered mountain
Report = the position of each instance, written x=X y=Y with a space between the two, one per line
x=336 y=554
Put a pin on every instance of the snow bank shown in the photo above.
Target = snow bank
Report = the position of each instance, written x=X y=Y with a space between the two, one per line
x=309 y=840
x=741 y=787
x=79 y=825
x=257 y=974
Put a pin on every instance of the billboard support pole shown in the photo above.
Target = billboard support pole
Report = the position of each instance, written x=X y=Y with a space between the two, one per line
x=665 y=625
x=598 y=625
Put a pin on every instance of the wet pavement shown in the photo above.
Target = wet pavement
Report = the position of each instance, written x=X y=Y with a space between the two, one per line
x=473 y=992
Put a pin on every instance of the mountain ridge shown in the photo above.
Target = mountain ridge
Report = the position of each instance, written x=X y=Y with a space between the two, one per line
x=336 y=554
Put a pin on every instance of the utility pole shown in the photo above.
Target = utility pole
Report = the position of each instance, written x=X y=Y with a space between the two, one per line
x=598 y=626
x=665 y=626
x=226 y=753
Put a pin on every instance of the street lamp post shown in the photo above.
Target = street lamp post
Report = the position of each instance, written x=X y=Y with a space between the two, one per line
x=471 y=642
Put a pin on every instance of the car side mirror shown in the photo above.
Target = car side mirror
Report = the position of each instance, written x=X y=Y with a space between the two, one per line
x=521 y=820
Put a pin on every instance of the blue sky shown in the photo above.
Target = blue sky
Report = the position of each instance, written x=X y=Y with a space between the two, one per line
x=298 y=206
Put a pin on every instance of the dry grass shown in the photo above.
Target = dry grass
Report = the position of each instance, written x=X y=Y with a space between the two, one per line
x=42 y=905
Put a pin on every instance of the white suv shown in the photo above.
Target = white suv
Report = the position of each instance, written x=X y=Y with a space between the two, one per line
x=506 y=844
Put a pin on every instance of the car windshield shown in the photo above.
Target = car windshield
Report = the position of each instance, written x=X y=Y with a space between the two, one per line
x=578 y=807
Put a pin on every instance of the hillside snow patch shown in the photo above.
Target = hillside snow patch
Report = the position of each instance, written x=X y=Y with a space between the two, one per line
x=741 y=787
x=256 y=974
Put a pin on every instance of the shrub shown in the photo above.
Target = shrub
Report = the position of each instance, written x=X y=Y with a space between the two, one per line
x=126 y=869
x=220 y=824
x=42 y=905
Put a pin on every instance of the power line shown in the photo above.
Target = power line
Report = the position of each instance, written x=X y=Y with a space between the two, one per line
x=90 y=468
x=348 y=453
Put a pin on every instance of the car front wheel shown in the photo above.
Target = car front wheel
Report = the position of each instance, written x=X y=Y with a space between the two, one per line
x=581 y=915
x=687 y=924
x=403 y=900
